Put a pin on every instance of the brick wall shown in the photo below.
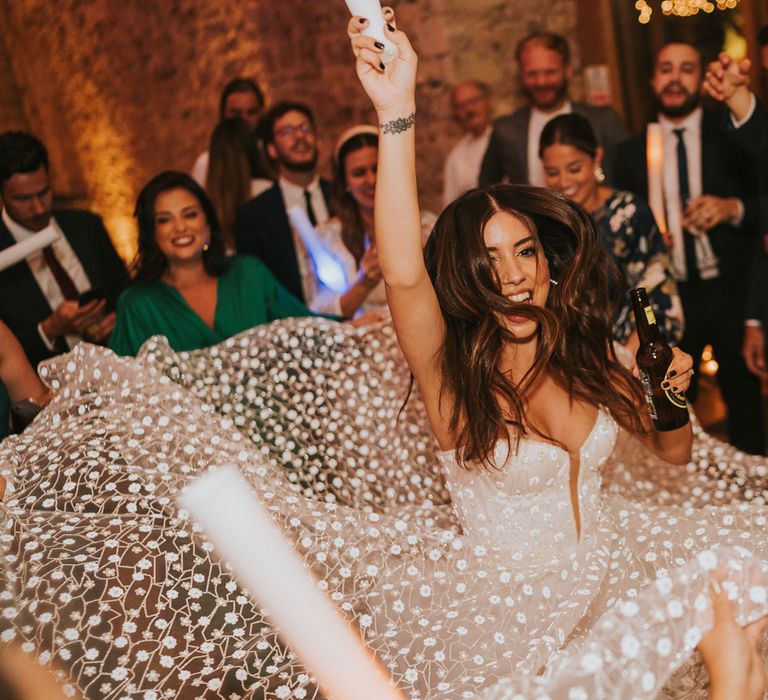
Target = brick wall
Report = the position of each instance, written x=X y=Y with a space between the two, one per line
x=120 y=91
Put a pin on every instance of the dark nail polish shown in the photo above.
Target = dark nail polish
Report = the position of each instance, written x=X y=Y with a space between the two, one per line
x=665 y=385
x=381 y=65
x=390 y=27
x=672 y=373
x=378 y=44
x=362 y=20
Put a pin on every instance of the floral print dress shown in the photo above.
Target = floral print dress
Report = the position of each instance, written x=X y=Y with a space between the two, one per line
x=628 y=230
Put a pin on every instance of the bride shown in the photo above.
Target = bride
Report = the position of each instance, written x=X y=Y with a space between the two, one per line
x=556 y=552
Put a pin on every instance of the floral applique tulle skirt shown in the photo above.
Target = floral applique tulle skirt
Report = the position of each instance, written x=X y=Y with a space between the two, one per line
x=104 y=578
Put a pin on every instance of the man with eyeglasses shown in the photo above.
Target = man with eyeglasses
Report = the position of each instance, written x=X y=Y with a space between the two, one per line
x=262 y=228
x=471 y=102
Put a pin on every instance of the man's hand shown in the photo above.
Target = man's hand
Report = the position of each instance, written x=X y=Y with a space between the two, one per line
x=708 y=211
x=727 y=81
x=753 y=350
x=70 y=318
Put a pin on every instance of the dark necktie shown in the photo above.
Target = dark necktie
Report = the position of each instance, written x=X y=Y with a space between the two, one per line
x=310 y=210
x=66 y=285
x=689 y=241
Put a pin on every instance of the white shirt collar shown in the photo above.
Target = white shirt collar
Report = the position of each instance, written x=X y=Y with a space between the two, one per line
x=565 y=108
x=691 y=124
x=469 y=137
x=287 y=186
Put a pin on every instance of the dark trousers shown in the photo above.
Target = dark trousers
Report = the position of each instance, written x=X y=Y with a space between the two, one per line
x=709 y=319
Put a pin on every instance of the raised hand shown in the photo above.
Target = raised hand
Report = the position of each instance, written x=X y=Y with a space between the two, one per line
x=391 y=88
x=731 y=653
x=727 y=81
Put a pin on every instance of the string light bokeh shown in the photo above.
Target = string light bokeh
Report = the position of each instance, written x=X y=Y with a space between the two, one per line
x=682 y=8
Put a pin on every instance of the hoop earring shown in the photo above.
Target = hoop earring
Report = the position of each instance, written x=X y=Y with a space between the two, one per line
x=599 y=174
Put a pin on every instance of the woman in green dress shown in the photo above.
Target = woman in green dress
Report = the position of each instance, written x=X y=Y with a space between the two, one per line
x=185 y=287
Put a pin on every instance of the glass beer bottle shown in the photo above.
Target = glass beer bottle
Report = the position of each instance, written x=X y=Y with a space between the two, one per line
x=668 y=410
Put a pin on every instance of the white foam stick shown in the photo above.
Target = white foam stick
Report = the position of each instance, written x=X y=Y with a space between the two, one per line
x=328 y=269
x=245 y=535
x=29 y=246
x=371 y=10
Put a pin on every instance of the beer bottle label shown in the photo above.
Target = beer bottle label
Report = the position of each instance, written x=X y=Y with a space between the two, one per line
x=650 y=315
x=676 y=399
x=645 y=380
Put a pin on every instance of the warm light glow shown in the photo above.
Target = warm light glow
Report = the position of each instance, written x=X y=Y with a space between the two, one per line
x=708 y=364
x=124 y=235
x=682 y=8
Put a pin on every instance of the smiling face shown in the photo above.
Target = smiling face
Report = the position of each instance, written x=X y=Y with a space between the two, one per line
x=521 y=266
x=294 y=144
x=571 y=172
x=360 y=175
x=677 y=79
x=471 y=107
x=181 y=229
x=544 y=76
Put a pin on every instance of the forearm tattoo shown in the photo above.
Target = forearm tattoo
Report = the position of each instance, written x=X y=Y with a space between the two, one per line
x=398 y=126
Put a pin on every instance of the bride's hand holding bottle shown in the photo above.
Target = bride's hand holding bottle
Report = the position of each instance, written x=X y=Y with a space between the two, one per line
x=392 y=87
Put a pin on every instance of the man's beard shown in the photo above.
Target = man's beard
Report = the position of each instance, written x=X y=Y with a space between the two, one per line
x=687 y=106
x=300 y=166
x=560 y=92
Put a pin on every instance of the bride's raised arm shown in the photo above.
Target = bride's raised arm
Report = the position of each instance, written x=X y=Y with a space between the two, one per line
x=415 y=310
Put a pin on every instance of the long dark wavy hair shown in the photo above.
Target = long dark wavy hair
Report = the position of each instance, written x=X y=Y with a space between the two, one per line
x=574 y=334
x=344 y=204
x=150 y=263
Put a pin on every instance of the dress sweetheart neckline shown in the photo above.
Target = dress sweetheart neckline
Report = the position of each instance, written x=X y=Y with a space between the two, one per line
x=600 y=413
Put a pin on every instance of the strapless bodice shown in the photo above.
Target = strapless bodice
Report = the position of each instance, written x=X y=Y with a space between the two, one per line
x=524 y=503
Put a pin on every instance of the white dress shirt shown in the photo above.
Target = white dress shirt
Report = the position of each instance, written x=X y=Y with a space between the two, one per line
x=199 y=170
x=536 y=125
x=43 y=275
x=675 y=208
x=293 y=196
x=462 y=166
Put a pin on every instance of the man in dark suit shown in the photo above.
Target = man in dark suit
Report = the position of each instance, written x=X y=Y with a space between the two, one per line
x=710 y=198
x=40 y=297
x=544 y=70
x=728 y=82
x=262 y=228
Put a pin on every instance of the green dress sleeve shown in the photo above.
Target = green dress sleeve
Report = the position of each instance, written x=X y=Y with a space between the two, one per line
x=130 y=329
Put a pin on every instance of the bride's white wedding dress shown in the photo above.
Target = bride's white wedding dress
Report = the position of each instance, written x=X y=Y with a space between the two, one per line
x=463 y=582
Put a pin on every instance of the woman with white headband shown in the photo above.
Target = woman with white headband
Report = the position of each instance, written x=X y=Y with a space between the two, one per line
x=351 y=236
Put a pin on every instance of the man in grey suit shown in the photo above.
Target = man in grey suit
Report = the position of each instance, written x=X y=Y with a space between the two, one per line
x=544 y=69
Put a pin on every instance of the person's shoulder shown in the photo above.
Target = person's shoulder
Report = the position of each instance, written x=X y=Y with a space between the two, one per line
x=246 y=266
x=268 y=198
x=138 y=295
x=513 y=120
x=78 y=216
x=600 y=112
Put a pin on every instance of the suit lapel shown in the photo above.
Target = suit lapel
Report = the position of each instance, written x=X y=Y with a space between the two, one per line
x=18 y=282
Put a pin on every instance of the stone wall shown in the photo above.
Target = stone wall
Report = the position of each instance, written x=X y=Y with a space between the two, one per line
x=120 y=91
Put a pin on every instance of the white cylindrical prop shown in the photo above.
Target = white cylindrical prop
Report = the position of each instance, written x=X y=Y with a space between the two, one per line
x=655 y=160
x=245 y=535
x=371 y=10
x=328 y=269
x=29 y=246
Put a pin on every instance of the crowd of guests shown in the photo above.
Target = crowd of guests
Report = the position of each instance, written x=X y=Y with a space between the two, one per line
x=219 y=250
